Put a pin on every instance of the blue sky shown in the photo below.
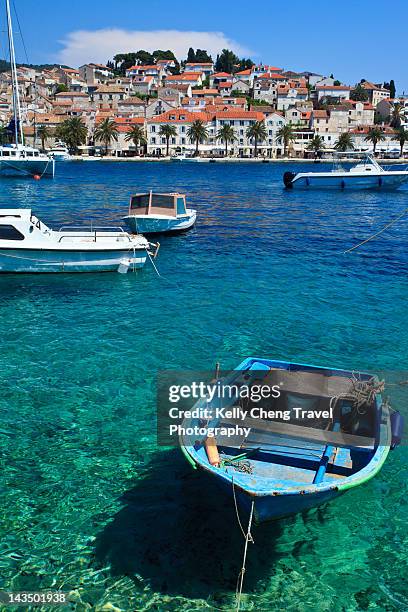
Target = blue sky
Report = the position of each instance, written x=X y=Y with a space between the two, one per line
x=353 y=39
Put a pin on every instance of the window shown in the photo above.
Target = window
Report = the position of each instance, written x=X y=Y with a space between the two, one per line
x=153 y=128
x=9 y=232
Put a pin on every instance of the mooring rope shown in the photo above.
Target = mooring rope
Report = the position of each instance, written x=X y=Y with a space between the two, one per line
x=248 y=538
x=404 y=212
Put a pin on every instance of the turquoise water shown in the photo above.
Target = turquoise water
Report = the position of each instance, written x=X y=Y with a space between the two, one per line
x=89 y=503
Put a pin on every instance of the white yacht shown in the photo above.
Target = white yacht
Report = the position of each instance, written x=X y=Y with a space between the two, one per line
x=366 y=174
x=59 y=151
x=28 y=245
x=18 y=158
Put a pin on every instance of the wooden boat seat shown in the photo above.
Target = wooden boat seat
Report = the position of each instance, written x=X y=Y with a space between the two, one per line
x=309 y=434
x=308 y=383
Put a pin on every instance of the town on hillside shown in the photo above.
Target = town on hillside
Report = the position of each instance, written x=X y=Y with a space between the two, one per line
x=149 y=104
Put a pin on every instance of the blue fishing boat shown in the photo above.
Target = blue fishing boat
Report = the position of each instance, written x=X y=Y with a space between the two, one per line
x=158 y=213
x=320 y=433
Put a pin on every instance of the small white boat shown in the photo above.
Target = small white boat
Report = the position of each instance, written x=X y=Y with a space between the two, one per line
x=157 y=213
x=59 y=151
x=366 y=174
x=28 y=245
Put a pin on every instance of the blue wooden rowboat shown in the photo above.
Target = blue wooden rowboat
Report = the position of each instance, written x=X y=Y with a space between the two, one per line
x=284 y=467
x=158 y=213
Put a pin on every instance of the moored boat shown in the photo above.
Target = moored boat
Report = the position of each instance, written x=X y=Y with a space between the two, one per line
x=156 y=213
x=366 y=174
x=28 y=245
x=19 y=159
x=59 y=151
x=323 y=431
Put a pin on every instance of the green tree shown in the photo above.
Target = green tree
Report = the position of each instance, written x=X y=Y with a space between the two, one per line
x=197 y=133
x=257 y=131
x=337 y=83
x=44 y=133
x=106 y=132
x=4 y=134
x=73 y=132
x=137 y=135
x=402 y=137
x=168 y=131
x=359 y=94
x=375 y=135
x=286 y=134
x=226 y=62
x=397 y=114
x=344 y=143
x=61 y=87
x=226 y=134
x=316 y=144
x=392 y=89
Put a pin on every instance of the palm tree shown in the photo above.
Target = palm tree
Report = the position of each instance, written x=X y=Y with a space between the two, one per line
x=344 y=143
x=73 y=132
x=105 y=132
x=44 y=133
x=227 y=134
x=375 y=135
x=316 y=144
x=287 y=134
x=402 y=136
x=258 y=132
x=137 y=135
x=397 y=115
x=168 y=131
x=197 y=132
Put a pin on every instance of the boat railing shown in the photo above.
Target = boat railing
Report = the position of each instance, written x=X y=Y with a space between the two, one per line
x=95 y=232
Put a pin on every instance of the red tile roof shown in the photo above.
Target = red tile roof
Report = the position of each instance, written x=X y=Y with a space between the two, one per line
x=179 y=116
x=340 y=87
x=221 y=74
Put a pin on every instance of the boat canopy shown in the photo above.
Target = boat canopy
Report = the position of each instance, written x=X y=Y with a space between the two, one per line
x=168 y=204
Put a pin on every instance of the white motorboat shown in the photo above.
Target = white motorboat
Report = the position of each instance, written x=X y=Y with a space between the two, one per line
x=18 y=158
x=59 y=151
x=28 y=245
x=366 y=174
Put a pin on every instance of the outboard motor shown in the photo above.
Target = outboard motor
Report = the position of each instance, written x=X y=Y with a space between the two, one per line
x=288 y=179
x=397 y=428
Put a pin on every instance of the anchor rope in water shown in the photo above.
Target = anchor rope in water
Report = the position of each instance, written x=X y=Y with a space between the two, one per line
x=404 y=212
x=248 y=539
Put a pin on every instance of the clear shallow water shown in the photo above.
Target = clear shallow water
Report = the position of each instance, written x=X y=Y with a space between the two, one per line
x=89 y=503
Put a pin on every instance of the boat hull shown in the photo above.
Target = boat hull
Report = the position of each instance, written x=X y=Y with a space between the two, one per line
x=27 y=167
x=154 y=225
x=273 y=507
x=349 y=181
x=53 y=260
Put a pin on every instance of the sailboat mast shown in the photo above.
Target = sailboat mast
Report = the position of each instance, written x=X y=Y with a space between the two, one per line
x=18 y=127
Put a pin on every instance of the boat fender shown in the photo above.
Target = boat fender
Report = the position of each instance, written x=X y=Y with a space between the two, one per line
x=36 y=177
x=397 y=428
x=212 y=452
x=288 y=179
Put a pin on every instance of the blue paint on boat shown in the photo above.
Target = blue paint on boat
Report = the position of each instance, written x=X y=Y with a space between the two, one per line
x=159 y=213
x=290 y=467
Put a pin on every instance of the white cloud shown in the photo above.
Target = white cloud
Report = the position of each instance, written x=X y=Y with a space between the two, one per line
x=84 y=46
